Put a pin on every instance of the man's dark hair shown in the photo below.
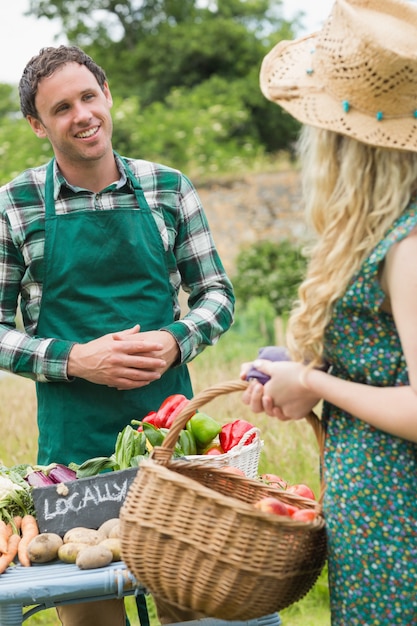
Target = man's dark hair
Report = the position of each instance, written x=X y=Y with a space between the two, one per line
x=44 y=64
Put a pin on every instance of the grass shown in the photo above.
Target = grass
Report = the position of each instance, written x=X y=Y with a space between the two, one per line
x=290 y=450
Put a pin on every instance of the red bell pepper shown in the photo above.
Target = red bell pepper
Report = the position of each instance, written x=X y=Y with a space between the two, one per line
x=164 y=417
x=152 y=418
x=232 y=433
x=173 y=407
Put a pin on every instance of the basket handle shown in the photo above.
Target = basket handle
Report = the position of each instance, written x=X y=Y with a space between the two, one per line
x=163 y=454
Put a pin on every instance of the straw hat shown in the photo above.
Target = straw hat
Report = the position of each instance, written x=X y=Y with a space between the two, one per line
x=357 y=76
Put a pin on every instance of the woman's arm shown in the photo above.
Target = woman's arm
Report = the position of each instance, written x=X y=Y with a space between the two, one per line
x=294 y=389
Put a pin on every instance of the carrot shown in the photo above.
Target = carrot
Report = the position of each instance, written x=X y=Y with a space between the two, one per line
x=15 y=524
x=7 y=557
x=28 y=529
x=29 y=526
x=5 y=532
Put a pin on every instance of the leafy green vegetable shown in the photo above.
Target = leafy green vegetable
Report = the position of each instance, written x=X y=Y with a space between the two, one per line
x=129 y=449
x=15 y=493
x=94 y=466
x=130 y=443
x=154 y=435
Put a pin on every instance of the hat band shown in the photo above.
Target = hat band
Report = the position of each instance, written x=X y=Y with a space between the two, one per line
x=347 y=106
x=291 y=90
x=379 y=115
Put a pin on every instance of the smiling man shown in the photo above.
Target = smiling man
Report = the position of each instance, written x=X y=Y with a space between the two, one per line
x=97 y=247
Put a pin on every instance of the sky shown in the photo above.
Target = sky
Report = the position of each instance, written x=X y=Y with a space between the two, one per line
x=22 y=37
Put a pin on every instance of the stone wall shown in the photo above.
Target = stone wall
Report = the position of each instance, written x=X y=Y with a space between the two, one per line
x=256 y=207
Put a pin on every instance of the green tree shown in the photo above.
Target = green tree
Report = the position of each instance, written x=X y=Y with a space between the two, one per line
x=150 y=47
x=184 y=76
x=207 y=128
x=127 y=20
x=19 y=147
x=9 y=102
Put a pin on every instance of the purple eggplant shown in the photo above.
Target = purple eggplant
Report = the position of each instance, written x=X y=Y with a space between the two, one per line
x=38 y=479
x=62 y=474
x=270 y=353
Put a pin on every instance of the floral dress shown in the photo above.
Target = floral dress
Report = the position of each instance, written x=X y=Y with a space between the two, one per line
x=371 y=477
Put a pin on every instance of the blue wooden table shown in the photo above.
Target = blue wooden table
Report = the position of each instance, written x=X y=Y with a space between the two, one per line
x=46 y=586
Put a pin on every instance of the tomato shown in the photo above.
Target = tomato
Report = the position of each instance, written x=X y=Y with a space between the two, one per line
x=304 y=515
x=270 y=504
x=231 y=469
x=292 y=509
x=214 y=450
x=274 y=480
x=302 y=490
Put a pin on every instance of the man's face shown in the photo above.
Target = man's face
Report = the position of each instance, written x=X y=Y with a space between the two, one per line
x=74 y=114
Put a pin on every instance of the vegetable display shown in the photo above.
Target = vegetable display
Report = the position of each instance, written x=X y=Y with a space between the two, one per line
x=202 y=434
x=20 y=539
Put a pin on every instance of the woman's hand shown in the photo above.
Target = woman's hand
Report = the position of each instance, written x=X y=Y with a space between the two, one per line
x=285 y=396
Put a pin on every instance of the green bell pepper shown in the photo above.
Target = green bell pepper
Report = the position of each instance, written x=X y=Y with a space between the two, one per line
x=187 y=443
x=204 y=428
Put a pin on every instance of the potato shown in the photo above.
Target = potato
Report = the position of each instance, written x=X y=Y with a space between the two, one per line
x=106 y=526
x=114 y=545
x=79 y=534
x=44 y=547
x=91 y=557
x=115 y=530
x=68 y=551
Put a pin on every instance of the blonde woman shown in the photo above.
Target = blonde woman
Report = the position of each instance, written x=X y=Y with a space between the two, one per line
x=353 y=85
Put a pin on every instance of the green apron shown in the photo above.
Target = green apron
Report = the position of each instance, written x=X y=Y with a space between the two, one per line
x=105 y=270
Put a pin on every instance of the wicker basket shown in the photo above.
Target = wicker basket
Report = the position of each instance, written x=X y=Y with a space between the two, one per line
x=243 y=456
x=191 y=535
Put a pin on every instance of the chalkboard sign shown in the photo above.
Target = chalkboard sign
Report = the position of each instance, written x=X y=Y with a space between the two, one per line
x=86 y=502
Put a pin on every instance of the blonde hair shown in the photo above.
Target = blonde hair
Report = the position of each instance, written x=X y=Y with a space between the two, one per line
x=353 y=193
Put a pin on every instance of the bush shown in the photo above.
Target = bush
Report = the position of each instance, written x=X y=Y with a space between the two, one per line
x=270 y=270
x=203 y=131
x=256 y=321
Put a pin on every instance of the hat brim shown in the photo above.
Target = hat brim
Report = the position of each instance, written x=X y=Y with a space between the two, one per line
x=286 y=78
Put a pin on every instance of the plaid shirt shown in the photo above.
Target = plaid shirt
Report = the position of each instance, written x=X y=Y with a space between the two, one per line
x=183 y=227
